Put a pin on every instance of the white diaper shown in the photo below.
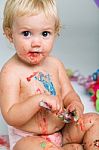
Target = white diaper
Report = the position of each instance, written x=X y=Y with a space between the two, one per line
x=16 y=134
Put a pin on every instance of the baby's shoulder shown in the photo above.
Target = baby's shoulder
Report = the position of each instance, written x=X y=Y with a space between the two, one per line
x=54 y=60
x=8 y=64
x=56 y=63
x=10 y=68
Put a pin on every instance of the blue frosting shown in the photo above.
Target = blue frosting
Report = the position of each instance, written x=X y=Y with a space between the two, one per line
x=47 y=83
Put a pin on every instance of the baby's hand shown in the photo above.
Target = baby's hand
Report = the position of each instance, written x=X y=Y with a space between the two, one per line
x=52 y=103
x=74 y=110
x=45 y=105
x=68 y=117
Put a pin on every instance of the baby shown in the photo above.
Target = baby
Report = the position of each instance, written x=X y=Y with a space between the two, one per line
x=36 y=97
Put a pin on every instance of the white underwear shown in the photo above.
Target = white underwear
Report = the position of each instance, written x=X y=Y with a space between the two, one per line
x=15 y=135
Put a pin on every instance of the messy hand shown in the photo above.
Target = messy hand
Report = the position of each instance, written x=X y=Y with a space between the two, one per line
x=52 y=103
x=74 y=110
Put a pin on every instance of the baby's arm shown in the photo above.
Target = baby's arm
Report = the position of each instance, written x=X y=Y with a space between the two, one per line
x=15 y=110
x=70 y=98
x=72 y=103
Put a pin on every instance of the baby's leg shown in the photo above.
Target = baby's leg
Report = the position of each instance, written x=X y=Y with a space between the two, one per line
x=35 y=143
x=91 y=137
x=73 y=147
x=73 y=133
x=83 y=131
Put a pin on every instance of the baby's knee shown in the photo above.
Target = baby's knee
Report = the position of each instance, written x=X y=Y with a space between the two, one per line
x=91 y=137
x=92 y=145
x=87 y=121
x=30 y=143
x=24 y=143
x=74 y=133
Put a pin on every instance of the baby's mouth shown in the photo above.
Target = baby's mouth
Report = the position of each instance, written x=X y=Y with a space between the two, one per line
x=34 y=54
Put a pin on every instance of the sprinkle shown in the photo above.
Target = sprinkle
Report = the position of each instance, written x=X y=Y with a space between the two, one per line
x=96 y=143
x=43 y=145
x=46 y=146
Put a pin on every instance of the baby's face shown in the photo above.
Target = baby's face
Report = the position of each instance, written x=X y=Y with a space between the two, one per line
x=33 y=37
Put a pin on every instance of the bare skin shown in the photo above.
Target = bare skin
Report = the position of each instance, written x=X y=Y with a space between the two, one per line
x=86 y=131
x=73 y=147
x=27 y=102
x=29 y=142
x=32 y=76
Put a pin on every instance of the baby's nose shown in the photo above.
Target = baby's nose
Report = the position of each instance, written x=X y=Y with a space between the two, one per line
x=36 y=42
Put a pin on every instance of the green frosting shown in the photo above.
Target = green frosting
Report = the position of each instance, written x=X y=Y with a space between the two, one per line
x=43 y=145
x=97 y=100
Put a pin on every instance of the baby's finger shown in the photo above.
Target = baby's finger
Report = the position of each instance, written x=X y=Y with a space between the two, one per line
x=70 y=108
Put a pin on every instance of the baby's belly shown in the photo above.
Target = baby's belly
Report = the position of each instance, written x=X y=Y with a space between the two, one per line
x=46 y=123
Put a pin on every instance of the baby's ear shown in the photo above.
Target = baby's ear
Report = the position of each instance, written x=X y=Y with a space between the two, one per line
x=8 y=34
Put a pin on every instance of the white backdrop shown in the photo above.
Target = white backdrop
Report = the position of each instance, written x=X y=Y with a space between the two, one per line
x=78 y=43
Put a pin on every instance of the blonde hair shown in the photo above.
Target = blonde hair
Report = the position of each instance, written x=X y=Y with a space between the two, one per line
x=20 y=8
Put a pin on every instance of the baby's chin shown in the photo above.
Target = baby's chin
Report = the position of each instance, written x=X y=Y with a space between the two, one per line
x=35 y=61
x=32 y=60
x=35 y=58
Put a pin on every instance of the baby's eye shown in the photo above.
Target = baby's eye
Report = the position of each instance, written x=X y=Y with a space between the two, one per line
x=26 y=33
x=45 y=33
